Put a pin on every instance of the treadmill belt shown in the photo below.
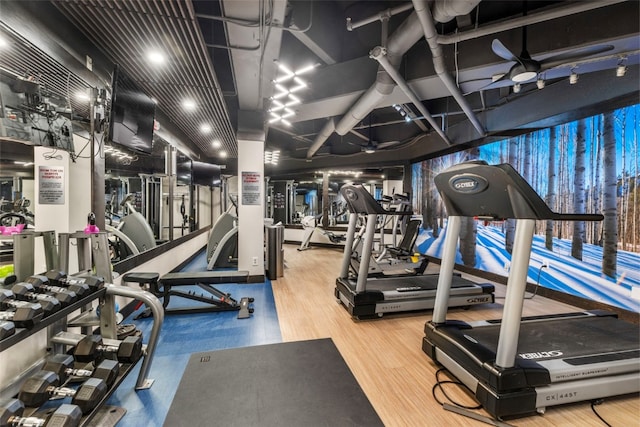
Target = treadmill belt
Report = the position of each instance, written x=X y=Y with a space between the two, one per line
x=574 y=337
x=424 y=283
x=304 y=383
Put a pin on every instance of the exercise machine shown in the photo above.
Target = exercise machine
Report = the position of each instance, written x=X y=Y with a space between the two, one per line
x=222 y=247
x=210 y=298
x=365 y=296
x=519 y=365
x=309 y=224
x=133 y=233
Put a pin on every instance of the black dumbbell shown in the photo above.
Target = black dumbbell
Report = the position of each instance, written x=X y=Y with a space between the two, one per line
x=44 y=385
x=62 y=365
x=65 y=415
x=27 y=290
x=49 y=303
x=59 y=278
x=42 y=284
x=6 y=329
x=91 y=348
x=23 y=314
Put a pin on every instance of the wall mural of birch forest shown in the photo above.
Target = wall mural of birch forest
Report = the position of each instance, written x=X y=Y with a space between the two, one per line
x=586 y=166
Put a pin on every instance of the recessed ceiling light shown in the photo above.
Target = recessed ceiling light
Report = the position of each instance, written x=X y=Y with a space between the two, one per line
x=3 y=42
x=216 y=143
x=223 y=154
x=205 y=128
x=189 y=104
x=156 y=57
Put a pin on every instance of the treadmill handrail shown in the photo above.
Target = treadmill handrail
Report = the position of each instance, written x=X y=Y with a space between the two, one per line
x=476 y=189
x=360 y=201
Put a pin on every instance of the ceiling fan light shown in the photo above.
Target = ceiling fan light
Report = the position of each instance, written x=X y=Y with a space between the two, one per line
x=369 y=150
x=524 y=76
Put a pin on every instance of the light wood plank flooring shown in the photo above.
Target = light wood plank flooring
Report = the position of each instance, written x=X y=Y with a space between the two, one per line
x=385 y=355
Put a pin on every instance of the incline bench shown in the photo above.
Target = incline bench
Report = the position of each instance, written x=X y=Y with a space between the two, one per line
x=162 y=287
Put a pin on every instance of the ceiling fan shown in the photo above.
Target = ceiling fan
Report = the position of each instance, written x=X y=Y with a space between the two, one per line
x=526 y=68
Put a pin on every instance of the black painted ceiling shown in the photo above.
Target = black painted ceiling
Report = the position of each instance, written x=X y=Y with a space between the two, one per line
x=225 y=53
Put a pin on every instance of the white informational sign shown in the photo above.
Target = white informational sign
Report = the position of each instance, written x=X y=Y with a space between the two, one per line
x=51 y=187
x=251 y=188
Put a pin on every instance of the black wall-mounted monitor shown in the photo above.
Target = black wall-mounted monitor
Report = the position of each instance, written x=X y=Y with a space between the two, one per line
x=132 y=114
x=205 y=174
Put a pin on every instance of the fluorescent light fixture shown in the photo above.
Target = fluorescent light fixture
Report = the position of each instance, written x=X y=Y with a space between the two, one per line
x=305 y=69
x=294 y=101
x=272 y=157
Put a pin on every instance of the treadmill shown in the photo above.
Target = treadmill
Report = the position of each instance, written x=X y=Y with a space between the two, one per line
x=517 y=366
x=366 y=297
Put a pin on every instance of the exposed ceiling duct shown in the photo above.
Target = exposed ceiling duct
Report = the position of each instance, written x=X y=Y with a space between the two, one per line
x=408 y=34
x=426 y=20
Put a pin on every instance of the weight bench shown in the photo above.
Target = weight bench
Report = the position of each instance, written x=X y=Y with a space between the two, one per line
x=162 y=287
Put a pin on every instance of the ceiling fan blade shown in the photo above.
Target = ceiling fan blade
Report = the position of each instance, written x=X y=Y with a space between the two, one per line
x=502 y=51
x=387 y=144
x=563 y=58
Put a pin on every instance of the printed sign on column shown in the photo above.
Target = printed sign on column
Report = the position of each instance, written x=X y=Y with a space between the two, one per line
x=51 y=191
x=250 y=188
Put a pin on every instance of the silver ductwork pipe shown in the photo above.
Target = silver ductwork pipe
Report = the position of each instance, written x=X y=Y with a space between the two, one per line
x=426 y=21
x=324 y=134
x=532 y=18
x=398 y=44
x=445 y=10
x=407 y=34
x=379 y=54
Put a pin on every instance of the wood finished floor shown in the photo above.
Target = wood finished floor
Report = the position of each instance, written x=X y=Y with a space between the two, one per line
x=385 y=355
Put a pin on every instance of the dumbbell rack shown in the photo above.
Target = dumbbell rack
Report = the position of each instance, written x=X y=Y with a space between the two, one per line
x=56 y=323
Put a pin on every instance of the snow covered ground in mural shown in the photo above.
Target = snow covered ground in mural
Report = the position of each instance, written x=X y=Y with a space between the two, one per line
x=564 y=274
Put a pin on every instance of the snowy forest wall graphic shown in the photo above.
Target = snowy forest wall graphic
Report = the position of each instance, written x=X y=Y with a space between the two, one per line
x=586 y=166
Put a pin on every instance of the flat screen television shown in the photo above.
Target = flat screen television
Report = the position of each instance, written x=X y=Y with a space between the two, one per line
x=205 y=174
x=132 y=114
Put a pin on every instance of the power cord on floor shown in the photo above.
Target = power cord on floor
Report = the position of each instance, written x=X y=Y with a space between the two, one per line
x=438 y=386
x=593 y=408
x=535 y=289
x=459 y=408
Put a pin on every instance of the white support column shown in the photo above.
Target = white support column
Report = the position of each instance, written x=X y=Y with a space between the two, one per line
x=62 y=196
x=251 y=206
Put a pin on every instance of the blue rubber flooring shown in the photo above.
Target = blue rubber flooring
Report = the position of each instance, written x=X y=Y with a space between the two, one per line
x=183 y=334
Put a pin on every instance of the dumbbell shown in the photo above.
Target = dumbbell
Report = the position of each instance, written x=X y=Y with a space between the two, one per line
x=49 y=303
x=59 y=278
x=42 y=284
x=6 y=329
x=65 y=415
x=91 y=348
x=43 y=385
x=27 y=290
x=22 y=314
x=62 y=365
